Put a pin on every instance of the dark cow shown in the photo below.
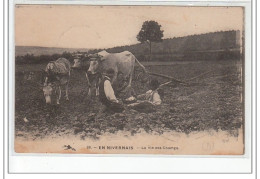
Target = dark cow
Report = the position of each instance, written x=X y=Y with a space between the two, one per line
x=57 y=74
x=83 y=63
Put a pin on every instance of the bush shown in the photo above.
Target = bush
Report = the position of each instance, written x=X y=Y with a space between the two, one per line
x=31 y=59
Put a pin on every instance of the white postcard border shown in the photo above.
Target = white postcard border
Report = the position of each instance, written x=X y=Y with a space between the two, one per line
x=87 y=163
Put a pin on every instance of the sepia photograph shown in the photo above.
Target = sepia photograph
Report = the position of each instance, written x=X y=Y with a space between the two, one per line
x=164 y=80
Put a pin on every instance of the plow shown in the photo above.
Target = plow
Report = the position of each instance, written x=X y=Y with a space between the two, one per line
x=172 y=79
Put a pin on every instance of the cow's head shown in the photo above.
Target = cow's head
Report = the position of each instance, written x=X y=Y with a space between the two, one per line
x=48 y=92
x=81 y=62
x=78 y=58
x=77 y=63
x=95 y=64
x=50 y=66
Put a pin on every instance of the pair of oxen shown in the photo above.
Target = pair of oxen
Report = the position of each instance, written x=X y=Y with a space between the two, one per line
x=57 y=73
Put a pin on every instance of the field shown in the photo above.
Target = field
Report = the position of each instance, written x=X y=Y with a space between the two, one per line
x=212 y=101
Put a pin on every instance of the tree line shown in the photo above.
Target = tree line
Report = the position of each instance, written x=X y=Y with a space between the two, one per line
x=32 y=59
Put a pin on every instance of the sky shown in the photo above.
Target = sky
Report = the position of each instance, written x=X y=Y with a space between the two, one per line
x=109 y=26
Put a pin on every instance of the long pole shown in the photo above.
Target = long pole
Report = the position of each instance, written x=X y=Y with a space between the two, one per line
x=166 y=76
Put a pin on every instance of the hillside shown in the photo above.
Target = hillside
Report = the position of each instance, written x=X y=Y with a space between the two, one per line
x=179 y=46
x=214 y=45
x=23 y=50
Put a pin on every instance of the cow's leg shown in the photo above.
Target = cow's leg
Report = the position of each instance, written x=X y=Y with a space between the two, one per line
x=89 y=91
x=128 y=91
x=66 y=90
x=59 y=95
x=128 y=88
x=130 y=81
x=96 y=89
x=87 y=79
x=46 y=81
x=97 y=86
x=131 y=77
x=89 y=85
x=129 y=85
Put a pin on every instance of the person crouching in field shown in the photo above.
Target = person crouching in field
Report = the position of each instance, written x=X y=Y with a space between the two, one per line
x=107 y=95
x=148 y=101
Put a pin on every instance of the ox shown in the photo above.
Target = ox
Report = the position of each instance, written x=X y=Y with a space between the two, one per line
x=92 y=79
x=122 y=63
x=57 y=74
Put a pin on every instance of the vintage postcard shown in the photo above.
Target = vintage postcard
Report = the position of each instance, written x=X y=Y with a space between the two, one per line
x=165 y=80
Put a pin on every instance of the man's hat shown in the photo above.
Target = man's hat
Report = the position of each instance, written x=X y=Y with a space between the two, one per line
x=154 y=84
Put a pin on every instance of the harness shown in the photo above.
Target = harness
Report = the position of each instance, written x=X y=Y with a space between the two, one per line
x=55 y=78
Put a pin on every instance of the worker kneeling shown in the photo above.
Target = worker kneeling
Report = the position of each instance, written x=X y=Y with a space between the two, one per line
x=146 y=102
x=106 y=94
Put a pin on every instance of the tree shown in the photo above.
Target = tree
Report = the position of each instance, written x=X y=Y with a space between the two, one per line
x=67 y=55
x=150 y=32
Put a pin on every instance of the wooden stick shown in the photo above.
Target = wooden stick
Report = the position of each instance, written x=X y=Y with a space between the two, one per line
x=166 y=76
x=165 y=83
x=176 y=80
x=199 y=75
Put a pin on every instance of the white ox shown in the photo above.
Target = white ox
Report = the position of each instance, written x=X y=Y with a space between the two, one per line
x=57 y=74
x=122 y=63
